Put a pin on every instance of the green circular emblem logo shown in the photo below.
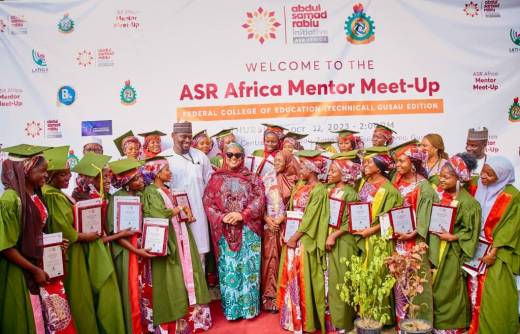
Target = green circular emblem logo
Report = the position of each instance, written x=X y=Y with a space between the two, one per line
x=359 y=27
x=128 y=94
x=514 y=111
x=66 y=24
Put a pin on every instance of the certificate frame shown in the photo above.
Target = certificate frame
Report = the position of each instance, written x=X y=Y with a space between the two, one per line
x=336 y=222
x=249 y=162
x=53 y=244
x=453 y=217
x=263 y=163
x=78 y=222
x=119 y=204
x=349 y=208
x=182 y=198
x=412 y=215
x=481 y=266
x=294 y=217
x=147 y=225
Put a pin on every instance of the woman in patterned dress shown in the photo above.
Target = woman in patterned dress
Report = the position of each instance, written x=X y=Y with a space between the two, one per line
x=278 y=187
x=235 y=204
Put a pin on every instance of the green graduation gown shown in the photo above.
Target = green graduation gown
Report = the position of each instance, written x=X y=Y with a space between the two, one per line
x=342 y=314
x=450 y=294
x=499 y=305
x=314 y=226
x=425 y=197
x=16 y=315
x=170 y=298
x=121 y=258
x=90 y=283
x=386 y=198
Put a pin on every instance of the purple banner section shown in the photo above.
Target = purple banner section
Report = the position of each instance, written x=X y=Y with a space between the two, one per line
x=96 y=128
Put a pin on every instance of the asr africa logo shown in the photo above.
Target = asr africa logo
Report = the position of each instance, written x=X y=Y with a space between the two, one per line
x=66 y=24
x=261 y=25
x=514 y=111
x=128 y=94
x=359 y=27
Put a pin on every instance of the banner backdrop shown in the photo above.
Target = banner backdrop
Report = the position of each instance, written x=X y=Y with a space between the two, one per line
x=73 y=69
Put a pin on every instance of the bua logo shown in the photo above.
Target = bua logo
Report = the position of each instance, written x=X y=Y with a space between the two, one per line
x=66 y=95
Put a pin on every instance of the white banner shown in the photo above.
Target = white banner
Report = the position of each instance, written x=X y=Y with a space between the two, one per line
x=71 y=69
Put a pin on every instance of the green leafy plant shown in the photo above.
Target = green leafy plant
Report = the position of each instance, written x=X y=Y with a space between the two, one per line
x=365 y=286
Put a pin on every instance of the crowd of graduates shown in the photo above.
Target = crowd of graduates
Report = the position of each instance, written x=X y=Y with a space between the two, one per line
x=231 y=235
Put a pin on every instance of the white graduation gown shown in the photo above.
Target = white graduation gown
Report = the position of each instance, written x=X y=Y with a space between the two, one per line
x=192 y=178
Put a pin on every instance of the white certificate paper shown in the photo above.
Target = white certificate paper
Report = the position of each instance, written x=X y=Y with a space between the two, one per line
x=155 y=235
x=129 y=216
x=53 y=255
x=294 y=219
x=441 y=218
x=402 y=220
x=475 y=265
x=154 y=239
x=359 y=216
x=386 y=226
x=337 y=207
x=91 y=219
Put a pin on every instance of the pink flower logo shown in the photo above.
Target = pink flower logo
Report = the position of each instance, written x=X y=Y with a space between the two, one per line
x=261 y=25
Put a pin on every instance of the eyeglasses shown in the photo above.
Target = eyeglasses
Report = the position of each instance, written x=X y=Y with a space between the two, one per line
x=236 y=155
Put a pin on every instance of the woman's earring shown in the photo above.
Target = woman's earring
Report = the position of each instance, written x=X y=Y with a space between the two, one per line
x=414 y=169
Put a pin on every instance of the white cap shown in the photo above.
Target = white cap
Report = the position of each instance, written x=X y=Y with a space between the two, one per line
x=92 y=140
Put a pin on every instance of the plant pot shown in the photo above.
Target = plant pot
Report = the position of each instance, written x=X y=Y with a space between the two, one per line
x=415 y=326
x=363 y=328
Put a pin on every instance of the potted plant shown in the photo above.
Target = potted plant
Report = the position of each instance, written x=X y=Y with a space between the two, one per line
x=366 y=286
x=406 y=269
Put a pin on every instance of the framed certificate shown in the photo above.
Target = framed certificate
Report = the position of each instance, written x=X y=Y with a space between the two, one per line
x=442 y=218
x=89 y=216
x=155 y=235
x=386 y=226
x=265 y=166
x=294 y=219
x=402 y=220
x=182 y=199
x=359 y=216
x=249 y=163
x=475 y=265
x=337 y=208
x=129 y=215
x=52 y=259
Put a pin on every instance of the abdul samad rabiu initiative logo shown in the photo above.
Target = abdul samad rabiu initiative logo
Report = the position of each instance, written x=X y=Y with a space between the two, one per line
x=261 y=25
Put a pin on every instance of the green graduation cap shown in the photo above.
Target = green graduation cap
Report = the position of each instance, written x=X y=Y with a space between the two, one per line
x=157 y=157
x=308 y=153
x=346 y=155
x=296 y=136
x=91 y=164
x=24 y=151
x=152 y=133
x=124 y=165
x=57 y=158
x=383 y=127
x=268 y=125
x=200 y=133
x=222 y=133
x=324 y=143
x=374 y=150
x=397 y=148
x=119 y=141
x=345 y=133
